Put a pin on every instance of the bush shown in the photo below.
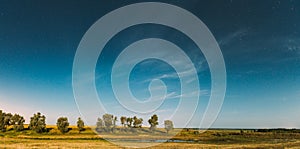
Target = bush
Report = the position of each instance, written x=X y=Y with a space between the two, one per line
x=63 y=124
x=169 y=125
x=38 y=123
x=18 y=122
x=80 y=125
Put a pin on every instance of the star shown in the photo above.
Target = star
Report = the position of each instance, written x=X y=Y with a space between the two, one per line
x=292 y=9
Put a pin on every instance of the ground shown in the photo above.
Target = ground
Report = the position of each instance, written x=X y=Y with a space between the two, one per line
x=185 y=138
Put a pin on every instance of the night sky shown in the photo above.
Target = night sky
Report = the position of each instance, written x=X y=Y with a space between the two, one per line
x=260 y=42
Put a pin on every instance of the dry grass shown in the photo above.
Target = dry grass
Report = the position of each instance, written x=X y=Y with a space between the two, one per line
x=208 y=139
x=23 y=143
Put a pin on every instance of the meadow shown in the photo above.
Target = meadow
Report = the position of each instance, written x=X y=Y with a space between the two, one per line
x=177 y=138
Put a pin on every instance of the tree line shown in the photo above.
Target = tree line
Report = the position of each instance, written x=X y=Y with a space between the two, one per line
x=105 y=124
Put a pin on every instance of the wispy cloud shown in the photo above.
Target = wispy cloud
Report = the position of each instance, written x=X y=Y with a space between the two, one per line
x=191 y=94
x=186 y=68
x=86 y=78
x=188 y=71
x=233 y=36
x=293 y=45
x=176 y=95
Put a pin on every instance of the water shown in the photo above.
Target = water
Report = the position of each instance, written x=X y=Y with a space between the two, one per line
x=152 y=140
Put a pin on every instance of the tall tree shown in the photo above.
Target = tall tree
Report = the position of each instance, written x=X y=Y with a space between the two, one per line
x=2 y=115
x=115 y=121
x=5 y=120
x=108 y=120
x=153 y=121
x=123 y=120
x=62 y=124
x=99 y=125
x=129 y=121
x=137 y=122
x=168 y=125
x=18 y=122
x=38 y=123
x=80 y=124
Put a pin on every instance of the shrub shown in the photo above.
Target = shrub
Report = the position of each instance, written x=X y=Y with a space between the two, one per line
x=63 y=124
x=38 y=123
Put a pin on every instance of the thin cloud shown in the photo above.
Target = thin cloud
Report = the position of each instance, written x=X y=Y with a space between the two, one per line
x=293 y=45
x=175 y=95
x=233 y=36
x=191 y=94
x=187 y=72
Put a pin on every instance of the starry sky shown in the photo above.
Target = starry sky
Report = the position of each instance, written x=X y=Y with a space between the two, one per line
x=259 y=40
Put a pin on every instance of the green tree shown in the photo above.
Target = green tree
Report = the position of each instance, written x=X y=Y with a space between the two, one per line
x=38 y=123
x=153 y=121
x=137 y=122
x=5 y=120
x=115 y=121
x=62 y=124
x=80 y=124
x=123 y=120
x=99 y=125
x=129 y=121
x=18 y=122
x=168 y=125
x=108 y=120
x=2 y=115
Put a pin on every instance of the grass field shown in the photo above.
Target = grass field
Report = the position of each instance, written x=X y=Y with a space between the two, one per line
x=185 y=138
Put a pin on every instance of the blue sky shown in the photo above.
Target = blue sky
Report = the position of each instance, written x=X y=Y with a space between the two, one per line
x=260 y=42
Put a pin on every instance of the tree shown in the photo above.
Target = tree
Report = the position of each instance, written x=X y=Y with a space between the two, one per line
x=137 y=122
x=80 y=124
x=123 y=120
x=18 y=122
x=99 y=125
x=2 y=115
x=129 y=121
x=115 y=121
x=168 y=125
x=153 y=121
x=62 y=124
x=108 y=120
x=38 y=123
x=5 y=120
